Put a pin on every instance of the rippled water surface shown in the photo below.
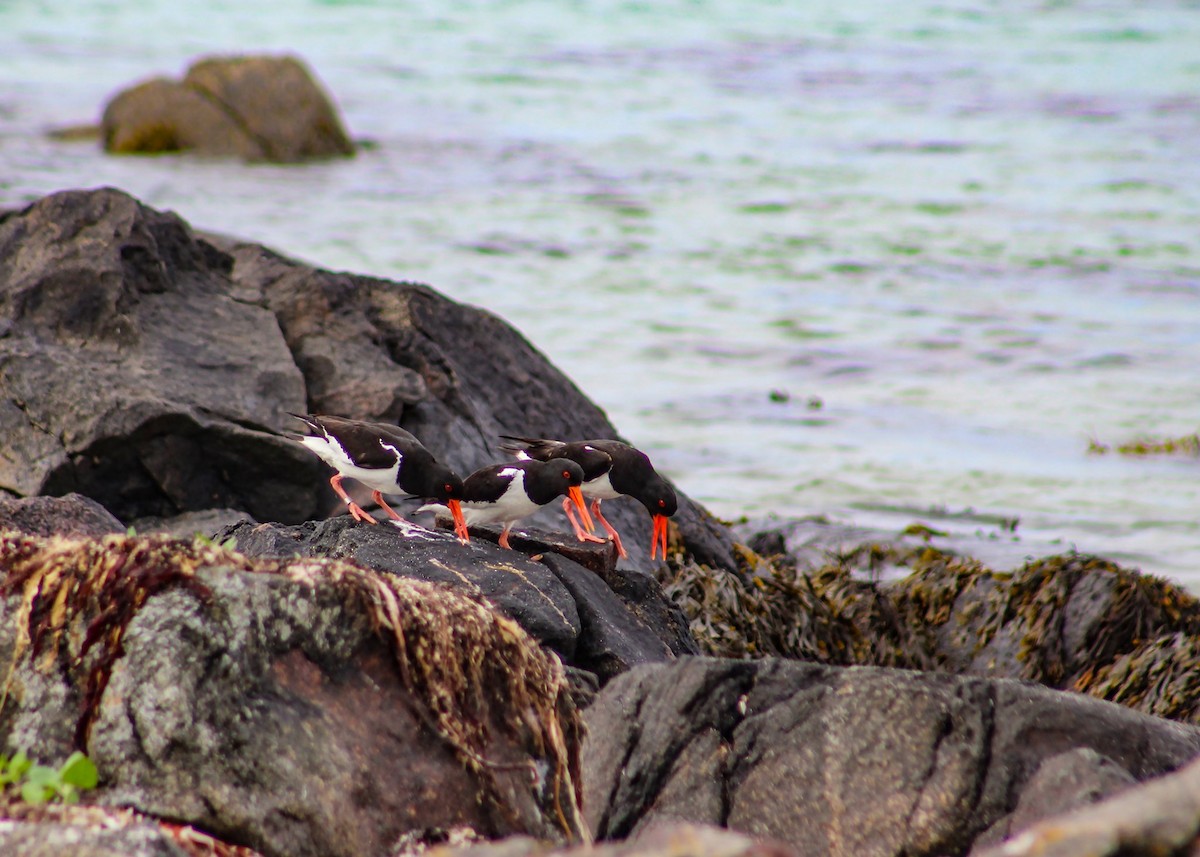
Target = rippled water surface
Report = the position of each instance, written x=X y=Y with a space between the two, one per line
x=883 y=262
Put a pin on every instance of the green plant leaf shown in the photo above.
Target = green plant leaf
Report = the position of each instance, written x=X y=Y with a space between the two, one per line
x=40 y=775
x=79 y=771
x=19 y=765
x=34 y=793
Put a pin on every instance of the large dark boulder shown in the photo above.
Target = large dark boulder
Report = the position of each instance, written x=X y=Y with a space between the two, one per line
x=132 y=373
x=306 y=708
x=152 y=370
x=858 y=761
x=258 y=108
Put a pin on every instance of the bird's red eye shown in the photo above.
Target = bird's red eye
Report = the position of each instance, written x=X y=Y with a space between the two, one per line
x=447 y=487
x=566 y=474
x=662 y=503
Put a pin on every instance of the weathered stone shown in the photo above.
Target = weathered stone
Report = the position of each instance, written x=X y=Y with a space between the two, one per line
x=836 y=761
x=256 y=108
x=301 y=708
x=611 y=638
x=130 y=375
x=72 y=515
x=1156 y=818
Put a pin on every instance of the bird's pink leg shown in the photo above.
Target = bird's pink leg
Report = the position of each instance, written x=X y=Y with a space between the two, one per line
x=378 y=497
x=504 y=538
x=616 y=537
x=355 y=510
x=580 y=534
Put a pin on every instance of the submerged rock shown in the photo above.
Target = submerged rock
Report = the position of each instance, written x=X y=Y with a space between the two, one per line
x=257 y=108
x=859 y=761
x=299 y=707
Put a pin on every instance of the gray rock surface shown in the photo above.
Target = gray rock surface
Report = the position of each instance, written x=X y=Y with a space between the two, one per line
x=268 y=705
x=58 y=839
x=1156 y=818
x=257 y=108
x=72 y=515
x=857 y=761
x=132 y=375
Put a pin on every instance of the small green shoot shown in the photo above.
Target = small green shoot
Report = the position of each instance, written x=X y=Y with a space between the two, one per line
x=43 y=784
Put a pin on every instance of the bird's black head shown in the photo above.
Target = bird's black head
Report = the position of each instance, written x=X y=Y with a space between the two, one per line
x=659 y=497
x=564 y=472
x=545 y=480
x=443 y=484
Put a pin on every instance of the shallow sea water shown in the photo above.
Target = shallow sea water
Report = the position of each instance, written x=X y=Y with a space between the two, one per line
x=885 y=263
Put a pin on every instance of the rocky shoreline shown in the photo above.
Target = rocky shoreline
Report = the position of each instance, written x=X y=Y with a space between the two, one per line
x=291 y=683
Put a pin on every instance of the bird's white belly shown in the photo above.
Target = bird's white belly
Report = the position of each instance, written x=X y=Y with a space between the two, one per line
x=513 y=504
x=374 y=478
x=600 y=489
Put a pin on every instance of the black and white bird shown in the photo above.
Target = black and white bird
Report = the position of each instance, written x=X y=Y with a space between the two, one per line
x=506 y=493
x=386 y=459
x=611 y=469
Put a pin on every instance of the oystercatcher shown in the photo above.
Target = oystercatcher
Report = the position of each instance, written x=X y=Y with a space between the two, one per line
x=386 y=459
x=612 y=469
x=505 y=493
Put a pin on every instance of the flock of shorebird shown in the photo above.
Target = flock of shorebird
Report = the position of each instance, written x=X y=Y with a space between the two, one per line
x=389 y=460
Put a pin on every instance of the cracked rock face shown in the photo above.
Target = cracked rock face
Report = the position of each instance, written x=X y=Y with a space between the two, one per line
x=858 y=761
x=153 y=370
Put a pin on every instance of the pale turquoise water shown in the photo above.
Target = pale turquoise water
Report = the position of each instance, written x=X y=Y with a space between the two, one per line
x=972 y=230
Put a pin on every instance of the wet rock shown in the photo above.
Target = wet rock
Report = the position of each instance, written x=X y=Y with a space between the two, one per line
x=846 y=761
x=301 y=707
x=257 y=108
x=72 y=515
x=558 y=601
x=1156 y=818
x=131 y=374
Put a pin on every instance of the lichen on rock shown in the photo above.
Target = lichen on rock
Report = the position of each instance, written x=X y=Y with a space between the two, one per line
x=286 y=705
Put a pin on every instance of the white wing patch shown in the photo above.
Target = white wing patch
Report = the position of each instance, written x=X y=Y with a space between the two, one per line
x=512 y=471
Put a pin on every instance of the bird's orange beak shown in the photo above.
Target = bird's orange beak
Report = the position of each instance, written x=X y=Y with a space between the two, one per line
x=577 y=498
x=460 y=524
x=660 y=532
